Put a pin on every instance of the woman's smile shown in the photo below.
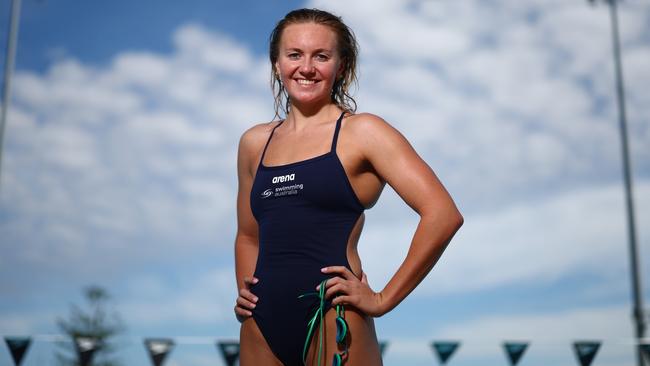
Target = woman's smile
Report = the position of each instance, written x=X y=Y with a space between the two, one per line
x=306 y=81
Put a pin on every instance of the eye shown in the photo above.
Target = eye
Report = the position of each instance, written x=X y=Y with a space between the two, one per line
x=322 y=57
x=293 y=56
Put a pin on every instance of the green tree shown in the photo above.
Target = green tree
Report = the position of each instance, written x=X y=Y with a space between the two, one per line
x=97 y=319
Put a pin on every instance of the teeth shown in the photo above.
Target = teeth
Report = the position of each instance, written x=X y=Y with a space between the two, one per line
x=305 y=82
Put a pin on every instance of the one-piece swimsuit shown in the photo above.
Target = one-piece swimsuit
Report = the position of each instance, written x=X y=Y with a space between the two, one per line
x=306 y=212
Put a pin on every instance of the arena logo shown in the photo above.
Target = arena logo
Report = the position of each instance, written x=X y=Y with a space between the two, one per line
x=284 y=178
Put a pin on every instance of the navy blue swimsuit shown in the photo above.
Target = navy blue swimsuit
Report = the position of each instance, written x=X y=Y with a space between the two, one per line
x=305 y=211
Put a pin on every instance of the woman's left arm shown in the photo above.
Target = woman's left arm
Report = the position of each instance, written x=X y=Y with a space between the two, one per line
x=395 y=160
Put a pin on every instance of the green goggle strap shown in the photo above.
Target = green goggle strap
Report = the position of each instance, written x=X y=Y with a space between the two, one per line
x=316 y=318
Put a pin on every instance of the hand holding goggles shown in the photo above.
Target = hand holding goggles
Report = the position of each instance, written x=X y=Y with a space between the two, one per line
x=341 y=328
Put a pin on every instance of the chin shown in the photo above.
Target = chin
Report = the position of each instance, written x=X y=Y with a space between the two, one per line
x=309 y=99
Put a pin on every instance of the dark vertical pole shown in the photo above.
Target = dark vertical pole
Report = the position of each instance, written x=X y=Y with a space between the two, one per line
x=9 y=67
x=637 y=311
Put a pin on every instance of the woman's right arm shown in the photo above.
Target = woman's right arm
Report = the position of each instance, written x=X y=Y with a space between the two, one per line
x=246 y=241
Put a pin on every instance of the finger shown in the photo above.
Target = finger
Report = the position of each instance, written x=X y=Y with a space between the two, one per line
x=251 y=280
x=364 y=279
x=245 y=303
x=242 y=312
x=342 y=300
x=248 y=295
x=337 y=289
x=340 y=270
x=331 y=282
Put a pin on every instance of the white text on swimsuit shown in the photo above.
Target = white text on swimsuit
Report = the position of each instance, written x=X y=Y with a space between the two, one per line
x=284 y=178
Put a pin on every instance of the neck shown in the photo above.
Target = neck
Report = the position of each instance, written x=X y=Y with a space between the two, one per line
x=301 y=116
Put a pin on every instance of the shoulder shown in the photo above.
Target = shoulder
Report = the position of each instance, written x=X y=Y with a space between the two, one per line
x=254 y=138
x=368 y=127
x=365 y=119
x=250 y=148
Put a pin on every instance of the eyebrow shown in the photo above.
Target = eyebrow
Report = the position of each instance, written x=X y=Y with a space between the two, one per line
x=318 y=50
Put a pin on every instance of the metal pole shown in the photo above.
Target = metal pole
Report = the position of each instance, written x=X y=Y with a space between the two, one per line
x=9 y=67
x=638 y=310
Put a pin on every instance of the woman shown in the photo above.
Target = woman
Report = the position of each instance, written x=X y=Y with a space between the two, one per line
x=304 y=183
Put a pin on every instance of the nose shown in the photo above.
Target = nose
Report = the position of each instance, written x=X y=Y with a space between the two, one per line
x=307 y=66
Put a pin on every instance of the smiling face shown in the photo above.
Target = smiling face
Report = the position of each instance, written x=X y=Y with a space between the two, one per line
x=308 y=63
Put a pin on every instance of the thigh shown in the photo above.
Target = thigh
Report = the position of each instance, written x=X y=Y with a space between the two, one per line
x=253 y=349
x=363 y=347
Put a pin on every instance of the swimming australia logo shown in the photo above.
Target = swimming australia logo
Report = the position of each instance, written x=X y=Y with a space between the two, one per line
x=284 y=178
x=267 y=193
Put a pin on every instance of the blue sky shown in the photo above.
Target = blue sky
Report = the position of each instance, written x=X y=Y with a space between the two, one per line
x=119 y=168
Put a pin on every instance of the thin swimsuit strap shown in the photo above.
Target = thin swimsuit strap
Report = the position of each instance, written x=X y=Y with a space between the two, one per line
x=336 y=132
x=334 y=139
x=268 y=141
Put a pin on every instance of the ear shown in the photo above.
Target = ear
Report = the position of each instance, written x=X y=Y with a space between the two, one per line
x=339 y=72
x=276 y=69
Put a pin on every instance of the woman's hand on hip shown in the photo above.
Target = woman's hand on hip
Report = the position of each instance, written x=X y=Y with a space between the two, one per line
x=349 y=290
x=246 y=300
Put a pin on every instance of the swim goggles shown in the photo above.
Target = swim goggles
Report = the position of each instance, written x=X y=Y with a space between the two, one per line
x=341 y=328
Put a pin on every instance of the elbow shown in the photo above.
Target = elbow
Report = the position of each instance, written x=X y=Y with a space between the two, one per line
x=446 y=217
x=448 y=220
x=453 y=223
x=458 y=220
x=453 y=219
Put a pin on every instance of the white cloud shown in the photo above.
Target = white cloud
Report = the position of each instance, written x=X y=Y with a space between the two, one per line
x=550 y=336
x=98 y=157
x=208 y=298
x=524 y=102
x=109 y=167
x=607 y=323
x=158 y=133
x=536 y=242
x=142 y=69
x=18 y=323
x=208 y=50
x=147 y=301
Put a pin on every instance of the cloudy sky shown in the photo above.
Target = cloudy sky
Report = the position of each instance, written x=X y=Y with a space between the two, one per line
x=119 y=168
